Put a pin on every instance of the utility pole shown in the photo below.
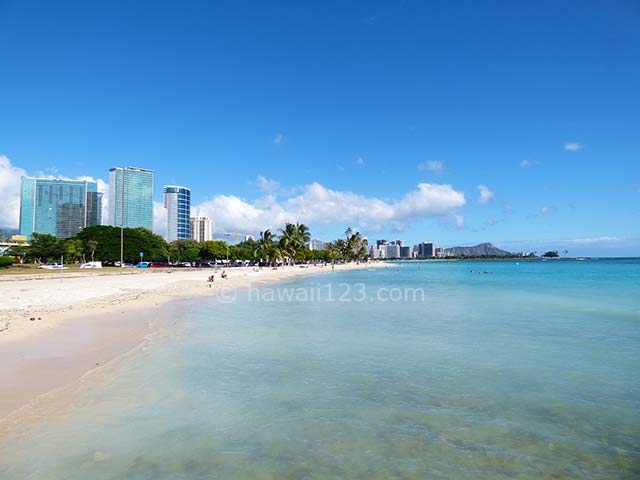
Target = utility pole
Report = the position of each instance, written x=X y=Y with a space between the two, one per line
x=227 y=241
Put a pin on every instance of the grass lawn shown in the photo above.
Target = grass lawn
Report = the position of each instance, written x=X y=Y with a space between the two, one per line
x=30 y=268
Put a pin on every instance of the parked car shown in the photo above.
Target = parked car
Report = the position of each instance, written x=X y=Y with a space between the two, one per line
x=51 y=266
x=159 y=265
x=184 y=264
x=143 y=265
x=202 y=265
x=129 y=265
x=91 y=265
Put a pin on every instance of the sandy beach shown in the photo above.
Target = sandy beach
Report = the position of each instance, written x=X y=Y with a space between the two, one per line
x=55 y=328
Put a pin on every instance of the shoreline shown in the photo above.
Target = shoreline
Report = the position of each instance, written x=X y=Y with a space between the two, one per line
x=74 y=341
x=34 y=303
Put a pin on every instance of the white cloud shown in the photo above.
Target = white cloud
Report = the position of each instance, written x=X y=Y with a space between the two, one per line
x=312 y=204
x=436 y=166
x=10 y=193
x=277 y=140
x=594 y=240
x=528 y=163
x=485 y=194
x=267 y=185
x=318 y=205
x=544 y=211
x=573 y=146
x=159 y=219
x=359 y=161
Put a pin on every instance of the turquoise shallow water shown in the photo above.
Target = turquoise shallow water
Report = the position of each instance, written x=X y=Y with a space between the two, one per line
x=529 y=371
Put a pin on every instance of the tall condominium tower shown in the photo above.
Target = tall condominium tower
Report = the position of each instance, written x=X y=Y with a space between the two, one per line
x=201 y=229
x=58 y=207
x=131 y=197
x=426 y=250
x=177 y=202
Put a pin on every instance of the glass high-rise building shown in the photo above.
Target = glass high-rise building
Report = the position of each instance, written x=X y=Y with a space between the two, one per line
x=58 y=207
x=131 y=197
x=177 y=202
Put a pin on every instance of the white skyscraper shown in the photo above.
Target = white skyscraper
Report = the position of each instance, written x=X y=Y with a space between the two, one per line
x=316 y=244
x=201 y=229
x=177 y=202
x=392 y=251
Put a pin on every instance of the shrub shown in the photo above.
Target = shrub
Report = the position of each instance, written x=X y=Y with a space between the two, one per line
x=5 y=261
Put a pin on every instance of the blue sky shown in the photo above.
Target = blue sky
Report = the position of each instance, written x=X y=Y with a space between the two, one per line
x=387 y=116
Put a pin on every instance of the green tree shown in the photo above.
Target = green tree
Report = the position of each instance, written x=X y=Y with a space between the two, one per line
x=353 y=247
x=75 y=249
x=136 y=240
x=5 y=261
x=293 y=239
x=551 y=254
x=184 y=251
x=243 y=251
x=45 y=248
x=213 y=250
x=19 y=251
x=266 y=248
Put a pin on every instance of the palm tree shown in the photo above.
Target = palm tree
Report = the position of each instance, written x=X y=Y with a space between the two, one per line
x=332 y=251
x=265 y=248
x=293 y=239
x=289 y=241
x=304 y=235
x=354 y=247
x=341 y=248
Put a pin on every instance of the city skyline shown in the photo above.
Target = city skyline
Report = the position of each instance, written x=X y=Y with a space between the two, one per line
x=451 y=124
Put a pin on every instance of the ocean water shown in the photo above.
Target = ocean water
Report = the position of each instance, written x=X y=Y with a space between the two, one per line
x=528 y=371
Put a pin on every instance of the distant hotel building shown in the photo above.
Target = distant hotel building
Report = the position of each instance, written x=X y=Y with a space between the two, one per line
x=393 y=250
x=131 y=197
x=378 y=251
x=426 y=250
x=382 y=249
x=316 y=244
x=58 y=207
x=177 y=202
x=406 y=252
x=201 y=229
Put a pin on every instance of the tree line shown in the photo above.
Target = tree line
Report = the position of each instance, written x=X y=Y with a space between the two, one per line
x=102 y=243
